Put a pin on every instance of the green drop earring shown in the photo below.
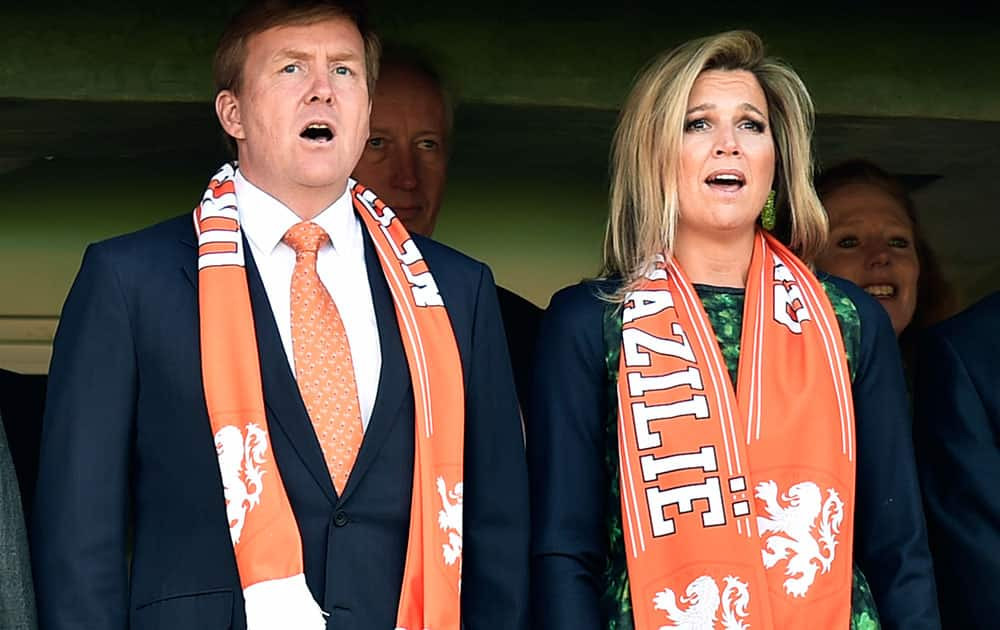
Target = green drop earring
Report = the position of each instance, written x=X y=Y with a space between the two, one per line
x=768 y=217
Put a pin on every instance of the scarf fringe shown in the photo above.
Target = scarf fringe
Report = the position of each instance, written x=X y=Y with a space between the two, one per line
x=281 y=604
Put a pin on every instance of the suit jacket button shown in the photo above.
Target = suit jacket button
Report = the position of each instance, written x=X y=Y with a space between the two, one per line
x=340 y=518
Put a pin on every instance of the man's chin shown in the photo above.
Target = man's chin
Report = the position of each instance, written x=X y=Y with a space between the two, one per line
x=414 y=219
x=322 y=179
x=409 y=215
x=406 y=213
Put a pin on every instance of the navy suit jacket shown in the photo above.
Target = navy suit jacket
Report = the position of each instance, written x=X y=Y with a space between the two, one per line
x=128 y=455
x=957 y=433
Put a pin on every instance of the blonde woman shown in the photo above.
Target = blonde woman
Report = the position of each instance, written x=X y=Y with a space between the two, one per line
x=719 y=438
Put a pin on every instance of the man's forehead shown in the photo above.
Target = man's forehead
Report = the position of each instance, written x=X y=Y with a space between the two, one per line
x=297 y=39
x=403 y=85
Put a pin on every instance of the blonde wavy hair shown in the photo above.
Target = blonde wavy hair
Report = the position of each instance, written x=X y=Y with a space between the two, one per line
x=646 y=152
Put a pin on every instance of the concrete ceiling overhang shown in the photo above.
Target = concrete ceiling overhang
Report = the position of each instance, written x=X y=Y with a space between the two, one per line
x=856 y=60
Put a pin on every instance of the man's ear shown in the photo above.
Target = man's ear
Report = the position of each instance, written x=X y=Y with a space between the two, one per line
x=227 y=108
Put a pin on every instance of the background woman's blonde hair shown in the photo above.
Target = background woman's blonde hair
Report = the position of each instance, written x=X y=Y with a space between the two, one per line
x=646 y=151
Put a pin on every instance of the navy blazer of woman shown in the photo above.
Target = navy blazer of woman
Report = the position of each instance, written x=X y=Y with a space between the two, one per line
x=570 y=485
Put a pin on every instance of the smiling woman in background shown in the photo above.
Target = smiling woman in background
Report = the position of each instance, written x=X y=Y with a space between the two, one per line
x=876 y=243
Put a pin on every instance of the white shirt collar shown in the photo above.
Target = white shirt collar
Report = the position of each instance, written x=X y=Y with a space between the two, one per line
x=265 y=220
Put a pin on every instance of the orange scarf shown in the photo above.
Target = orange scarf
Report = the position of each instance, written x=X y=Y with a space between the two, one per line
x=737 y=507
x=262 y=526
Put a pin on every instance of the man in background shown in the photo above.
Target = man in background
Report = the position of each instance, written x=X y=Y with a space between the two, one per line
x=406 y=163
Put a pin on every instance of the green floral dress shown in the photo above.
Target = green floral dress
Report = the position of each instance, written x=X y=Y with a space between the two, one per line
x=725 y=311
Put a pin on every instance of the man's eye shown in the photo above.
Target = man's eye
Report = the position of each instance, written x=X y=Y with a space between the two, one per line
x=290 y=68
x=343 y=70
x=899 y=241
x=376 y=143
x=848 y=242
x=428 y=144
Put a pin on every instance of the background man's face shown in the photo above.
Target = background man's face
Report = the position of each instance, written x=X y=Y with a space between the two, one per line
x=405 y=161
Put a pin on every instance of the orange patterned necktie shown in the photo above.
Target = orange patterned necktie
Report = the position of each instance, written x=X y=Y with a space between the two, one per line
x=323 y=366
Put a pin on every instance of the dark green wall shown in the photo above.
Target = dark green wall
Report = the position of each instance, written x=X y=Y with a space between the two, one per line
x=856 y=61
x=106 y=125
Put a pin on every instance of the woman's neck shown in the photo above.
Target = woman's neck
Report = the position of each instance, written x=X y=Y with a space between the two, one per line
x=709 y=259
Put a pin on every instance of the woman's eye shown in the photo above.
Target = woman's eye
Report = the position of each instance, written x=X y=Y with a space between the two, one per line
x=696 y=125
x=848 y=242
x=753 y=125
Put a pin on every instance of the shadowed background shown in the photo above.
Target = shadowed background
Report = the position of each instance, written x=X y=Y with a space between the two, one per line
x=106 y=125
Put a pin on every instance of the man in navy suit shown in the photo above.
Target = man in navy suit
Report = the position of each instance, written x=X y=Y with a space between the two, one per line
x=130 y=527
x=957 y=434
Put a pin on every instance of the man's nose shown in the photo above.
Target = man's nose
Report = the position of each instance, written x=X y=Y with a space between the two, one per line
x=321 y=89
x=404 y=172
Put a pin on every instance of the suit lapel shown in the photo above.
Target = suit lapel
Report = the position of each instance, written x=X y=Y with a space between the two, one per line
x=394 y=378
x=281 y=393
x=189 y=264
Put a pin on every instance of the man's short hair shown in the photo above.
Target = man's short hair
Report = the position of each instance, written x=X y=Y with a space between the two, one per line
x=260 y=15
x=418 y=62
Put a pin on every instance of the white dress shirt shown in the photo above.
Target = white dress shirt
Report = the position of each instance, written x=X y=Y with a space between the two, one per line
x=341 y=267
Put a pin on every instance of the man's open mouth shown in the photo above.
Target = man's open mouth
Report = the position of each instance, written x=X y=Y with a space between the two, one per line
x=317 y=132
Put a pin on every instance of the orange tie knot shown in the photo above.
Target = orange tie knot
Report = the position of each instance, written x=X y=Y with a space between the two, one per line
x=306 y=238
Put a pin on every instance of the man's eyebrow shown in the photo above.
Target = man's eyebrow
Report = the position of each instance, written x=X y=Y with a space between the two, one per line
x=290 y=53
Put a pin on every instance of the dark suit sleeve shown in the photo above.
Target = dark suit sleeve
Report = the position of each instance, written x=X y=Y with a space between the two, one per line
x=959 y=454
x=496 y=522
x=890 y=531
x=79 y=520
x=566 y=461
x=17 y=599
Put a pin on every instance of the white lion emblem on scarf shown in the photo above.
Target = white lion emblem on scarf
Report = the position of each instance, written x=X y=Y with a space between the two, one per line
x=240 y=462
x=702 y=601
x=450 y=520
x=787 y=532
